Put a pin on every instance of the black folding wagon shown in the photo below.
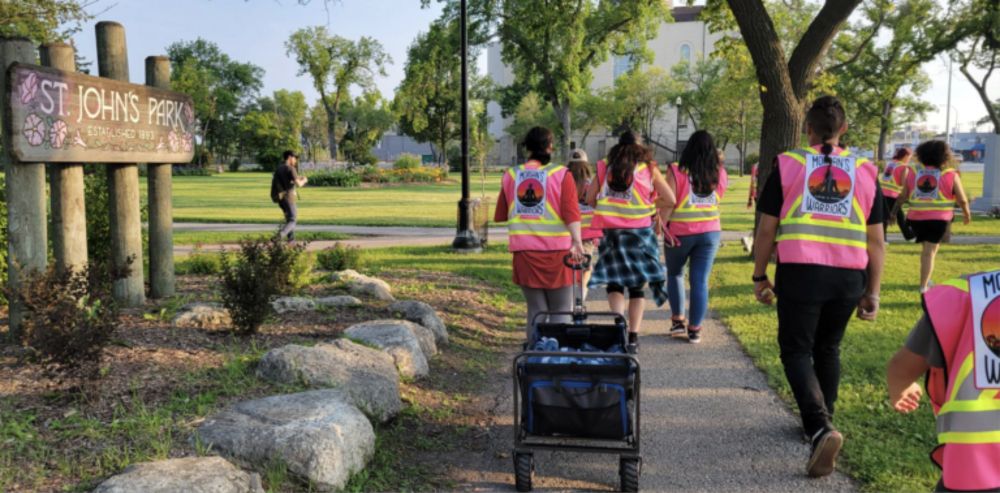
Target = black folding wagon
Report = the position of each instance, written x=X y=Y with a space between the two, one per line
x=576 y=389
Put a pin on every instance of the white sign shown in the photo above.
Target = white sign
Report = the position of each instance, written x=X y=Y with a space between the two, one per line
x=927 y=184
x=829 y=187
x=985 y=291
x=709 y=200
x=529 y=191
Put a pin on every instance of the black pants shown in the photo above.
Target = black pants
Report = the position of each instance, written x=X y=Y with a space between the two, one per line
x=809 y=335
x=291 y=215
x=904 y=227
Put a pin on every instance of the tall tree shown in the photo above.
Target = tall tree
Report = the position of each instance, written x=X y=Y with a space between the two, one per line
x=530 y=112
x=428 y=100
x=642 y=97
x=290 y=107
x=43 y=21
x=365 y=119
x=336 y=64
x=983 y=53
x=222 y=89
x=314 y=132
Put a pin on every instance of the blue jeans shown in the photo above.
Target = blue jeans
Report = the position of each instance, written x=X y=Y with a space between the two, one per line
x=701 y=249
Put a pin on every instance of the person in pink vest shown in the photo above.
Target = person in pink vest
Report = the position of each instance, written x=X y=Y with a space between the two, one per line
x=752 y=193
x=579 y=167
x=956 y=346
x=822 y=210
x=699 y=182
x=538 y=201
x=891 y=179
x=628 y=192
x=932 y=189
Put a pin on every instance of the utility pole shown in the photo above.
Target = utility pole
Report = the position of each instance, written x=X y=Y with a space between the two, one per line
x=947 y=116
x=466 y=240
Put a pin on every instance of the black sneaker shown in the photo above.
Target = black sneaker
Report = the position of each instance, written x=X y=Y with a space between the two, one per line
x=826 y=445
x=694 y=336
x=678 y=329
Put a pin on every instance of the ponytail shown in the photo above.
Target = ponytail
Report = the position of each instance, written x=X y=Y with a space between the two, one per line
x=623 y=159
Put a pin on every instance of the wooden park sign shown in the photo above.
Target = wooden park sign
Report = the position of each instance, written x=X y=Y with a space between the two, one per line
x=68 y=117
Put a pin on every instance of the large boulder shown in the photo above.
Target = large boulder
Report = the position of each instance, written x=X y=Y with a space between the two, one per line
x=368 y=376
x=287 y=304
x=337 y=301
x=410 y=345
x=203 y=316
x=363 y=285
x=423 y=314
x=190 y=474
x=318 y=435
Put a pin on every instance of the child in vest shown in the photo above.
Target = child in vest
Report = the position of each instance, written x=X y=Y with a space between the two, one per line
x=628 y=191
x=932 y=189
x=538 y=201
x=698 y=182
x=892 y=179
x=822 y=210
x=941 y=349
x=579 y=167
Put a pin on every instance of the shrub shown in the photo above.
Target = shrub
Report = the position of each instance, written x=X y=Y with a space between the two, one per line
x=337 y=178
x=339 y=257
x=260 y=270
x=373 y=174
x=191 y=170
x=97 y=204
x=301 y=274
x=202 y=264
x=407 y=161
x=417 y=175
x=69 y=318
x=234 y=165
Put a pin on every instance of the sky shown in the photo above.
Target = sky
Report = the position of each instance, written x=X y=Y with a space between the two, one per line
x=256 y=30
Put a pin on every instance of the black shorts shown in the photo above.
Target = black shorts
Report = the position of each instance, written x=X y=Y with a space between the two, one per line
x=930 y=231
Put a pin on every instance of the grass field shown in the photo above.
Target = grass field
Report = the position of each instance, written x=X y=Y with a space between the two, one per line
x=218 y=237
x=244 y=197
x=887 y=451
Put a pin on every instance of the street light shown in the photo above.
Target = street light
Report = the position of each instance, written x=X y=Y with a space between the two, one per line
x=677 y=129
x=466 y=240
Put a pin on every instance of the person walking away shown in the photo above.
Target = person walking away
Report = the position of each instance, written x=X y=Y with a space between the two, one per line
x=822 y=209
x=956 y=347
x=699 y=181
x=628 y=192
x=538 y=201
x=892 y=180
x=284 y=183
x=579 y=167
x=752 y=196
x=932 y=189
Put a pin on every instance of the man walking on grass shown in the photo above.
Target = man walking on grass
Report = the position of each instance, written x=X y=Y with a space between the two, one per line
x=283 y=185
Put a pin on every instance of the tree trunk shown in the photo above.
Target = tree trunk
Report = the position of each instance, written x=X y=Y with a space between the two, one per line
x=991 y=111
x=743 y=138
x=563 y=113
x=331 y=133
x=883 y=130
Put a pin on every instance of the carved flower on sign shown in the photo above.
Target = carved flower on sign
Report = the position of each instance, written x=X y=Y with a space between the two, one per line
x=34 y=129
x=174 y=141
x=28 y=88
x=57 y=135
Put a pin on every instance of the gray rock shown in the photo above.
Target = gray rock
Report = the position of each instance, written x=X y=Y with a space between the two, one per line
x=190 y=474
x=423 y=314
x=337 y=301
x=319 y=435
x=202 y=316
x=293 y=304
x=368 y=376
x=363 y=285
x=410 y=345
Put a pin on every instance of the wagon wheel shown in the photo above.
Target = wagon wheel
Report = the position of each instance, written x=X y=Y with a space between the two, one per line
x=628 y=470
x=523 y=468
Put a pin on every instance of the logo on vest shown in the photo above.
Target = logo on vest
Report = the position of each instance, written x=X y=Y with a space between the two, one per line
x=985 y=292
x=702 y=200
x=829 y=188
x=530 y=191
x=927 y=184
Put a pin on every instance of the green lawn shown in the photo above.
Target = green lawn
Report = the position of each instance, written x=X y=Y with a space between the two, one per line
x=221 y=237
x=887 y=451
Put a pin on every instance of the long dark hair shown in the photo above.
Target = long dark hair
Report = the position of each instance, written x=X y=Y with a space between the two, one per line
x=623 y=159
x=935 y=153
x=901 y=153
x=700 y=160
x=537 y=143
x=581 y=174
x=826 y=117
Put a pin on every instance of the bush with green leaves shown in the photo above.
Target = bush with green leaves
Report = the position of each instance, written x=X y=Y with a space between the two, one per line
x=407 y=161
x=259 y=271
x=234 y=165
x=191 y=170
x=335 y=178
x=339 y=257
x=69 y=317
x=97 y=204
x=200 y=264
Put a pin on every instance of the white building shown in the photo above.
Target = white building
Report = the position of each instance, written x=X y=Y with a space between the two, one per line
x=687 y=38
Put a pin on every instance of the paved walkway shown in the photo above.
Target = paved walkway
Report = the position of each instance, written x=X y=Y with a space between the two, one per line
x=709 y=423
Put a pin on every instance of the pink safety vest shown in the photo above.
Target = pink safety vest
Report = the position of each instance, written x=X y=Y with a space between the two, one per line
x=694 y=214
x=891 y=178
x=533 y=216
x=932 y=193
x=587 y=229
x=968 y=419
x=629 y=209
x=823 y=227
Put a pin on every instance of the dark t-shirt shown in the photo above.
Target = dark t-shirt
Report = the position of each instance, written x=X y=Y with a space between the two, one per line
x=808 y=282
x=286 y=176
x=923 y=342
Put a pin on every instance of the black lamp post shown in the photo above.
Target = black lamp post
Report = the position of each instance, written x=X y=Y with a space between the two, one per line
x=466 y=240
x=677 y=130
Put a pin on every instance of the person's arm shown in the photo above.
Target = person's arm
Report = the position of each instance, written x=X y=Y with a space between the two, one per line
x=500 y=215
x=868 y=306
x=763 y=248
x=570 y=214
x=592 y=190
x=905 y=368
x=962 y=200
x=666 y=199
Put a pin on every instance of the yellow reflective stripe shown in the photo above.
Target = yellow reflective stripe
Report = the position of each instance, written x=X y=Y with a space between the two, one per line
x=824 y=224
x=797 y=157
x=962 y=284
x=626 y=216
x=963 y=372
x=536 y=233
x=969 y=437
x=823 y=239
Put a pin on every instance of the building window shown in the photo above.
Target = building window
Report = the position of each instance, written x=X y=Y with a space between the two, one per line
x=686 y=53
x=623 y=63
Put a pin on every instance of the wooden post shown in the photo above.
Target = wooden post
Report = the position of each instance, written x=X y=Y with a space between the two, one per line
x=161 y=222
x=27 y=245
x=123 y=179
x=69 y=218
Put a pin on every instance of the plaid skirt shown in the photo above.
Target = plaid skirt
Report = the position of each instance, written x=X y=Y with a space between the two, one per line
x=630 y=258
